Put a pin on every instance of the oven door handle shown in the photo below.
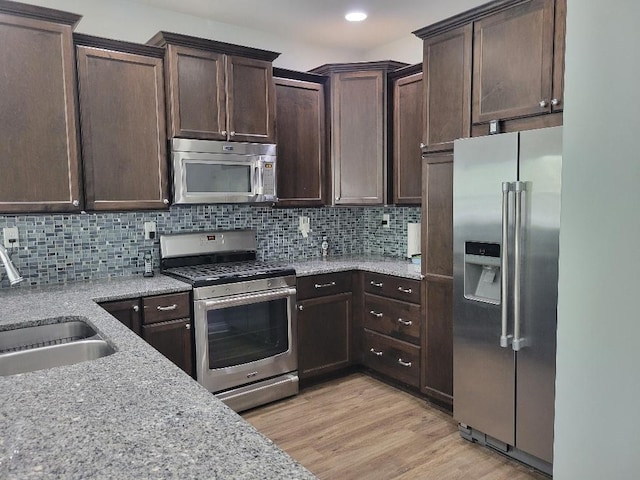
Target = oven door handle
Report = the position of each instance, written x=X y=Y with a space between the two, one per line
x=245 y=298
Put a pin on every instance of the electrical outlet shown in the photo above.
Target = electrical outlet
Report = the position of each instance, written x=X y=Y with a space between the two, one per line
x=385 y=220
x=10 y=237
x=305 y=226
x=149 y=230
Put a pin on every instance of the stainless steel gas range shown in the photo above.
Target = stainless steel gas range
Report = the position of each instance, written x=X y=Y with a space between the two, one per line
x=244 y=315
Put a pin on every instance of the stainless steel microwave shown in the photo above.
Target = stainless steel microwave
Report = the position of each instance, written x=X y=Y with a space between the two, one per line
x=206 y=171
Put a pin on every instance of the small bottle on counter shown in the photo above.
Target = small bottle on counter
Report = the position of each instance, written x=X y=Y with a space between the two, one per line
x=324 y=247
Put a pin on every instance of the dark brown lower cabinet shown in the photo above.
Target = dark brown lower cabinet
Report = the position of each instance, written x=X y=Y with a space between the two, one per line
x=173 y=340
x=391 y=321
x=127 y=311
x=324 y=325
x=164 y=321
x=437 y=381
x=398 y=359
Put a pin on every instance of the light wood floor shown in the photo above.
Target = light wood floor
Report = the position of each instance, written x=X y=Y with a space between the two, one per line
x=357 y=427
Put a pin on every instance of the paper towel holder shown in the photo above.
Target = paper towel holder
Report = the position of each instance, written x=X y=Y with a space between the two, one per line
x=413 y=239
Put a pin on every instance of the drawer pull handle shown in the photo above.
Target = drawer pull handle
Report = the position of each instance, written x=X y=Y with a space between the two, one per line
x=325 y=285
x=403 y=363
x=376 y=314
x=406 y=323
x=405 y=290
x=376 y=284
x=167 y=309
x=377 y=353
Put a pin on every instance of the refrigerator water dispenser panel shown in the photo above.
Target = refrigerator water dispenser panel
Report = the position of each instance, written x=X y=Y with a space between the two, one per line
x=482 y=272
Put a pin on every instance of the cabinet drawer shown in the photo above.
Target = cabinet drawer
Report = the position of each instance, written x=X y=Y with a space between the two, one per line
x=395 y=358
x=325 y=284
x=391 y=317
x=166 y=307
x=395 y=287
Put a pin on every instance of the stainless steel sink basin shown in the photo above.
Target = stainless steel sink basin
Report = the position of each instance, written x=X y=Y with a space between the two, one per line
x=46 y=346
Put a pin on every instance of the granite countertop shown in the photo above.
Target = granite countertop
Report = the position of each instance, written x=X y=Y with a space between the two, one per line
x=377 y=264
x=133 y=414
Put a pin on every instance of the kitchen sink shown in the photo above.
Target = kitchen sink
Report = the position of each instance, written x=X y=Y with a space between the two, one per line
x=53 y=345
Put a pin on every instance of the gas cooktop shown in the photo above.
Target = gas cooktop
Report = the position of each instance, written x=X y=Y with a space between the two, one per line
x=228 y=272
x=214 y=258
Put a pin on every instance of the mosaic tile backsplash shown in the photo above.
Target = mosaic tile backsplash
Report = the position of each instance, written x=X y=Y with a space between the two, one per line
x=70 y=247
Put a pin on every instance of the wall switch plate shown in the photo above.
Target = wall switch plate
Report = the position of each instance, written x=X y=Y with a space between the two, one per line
x=10 y=237
x=149 y=230
x=386 y=220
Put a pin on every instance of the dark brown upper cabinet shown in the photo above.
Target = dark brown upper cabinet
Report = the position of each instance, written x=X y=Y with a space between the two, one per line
x=557 y=100
x=358 y=125
x=301 y=137
x=38 y=111
x=502 y=61
x=122 y=121
x=447 y=88
x=218 y=91
x=513 y=62
x=407 y=134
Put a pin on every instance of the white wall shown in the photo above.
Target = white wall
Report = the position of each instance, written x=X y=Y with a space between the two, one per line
x=597 y=430
x=135 y=22
x=407 y=49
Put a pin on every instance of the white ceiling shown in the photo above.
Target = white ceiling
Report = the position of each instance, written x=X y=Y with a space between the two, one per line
x=321 y=22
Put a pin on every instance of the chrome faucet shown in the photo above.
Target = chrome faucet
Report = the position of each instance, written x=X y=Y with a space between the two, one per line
x=12 y=272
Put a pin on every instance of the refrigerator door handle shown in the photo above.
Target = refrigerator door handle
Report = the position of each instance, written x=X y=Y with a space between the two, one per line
x=518 y=341
x=505 y=339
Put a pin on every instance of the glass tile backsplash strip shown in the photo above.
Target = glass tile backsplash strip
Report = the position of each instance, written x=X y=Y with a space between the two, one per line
x=63 y=248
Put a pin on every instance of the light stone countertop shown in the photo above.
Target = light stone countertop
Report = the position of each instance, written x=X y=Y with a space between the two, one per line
x=376 y=264
x=132 y=414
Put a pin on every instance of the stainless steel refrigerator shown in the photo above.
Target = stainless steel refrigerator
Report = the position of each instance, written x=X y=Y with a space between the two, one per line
x=506 y=216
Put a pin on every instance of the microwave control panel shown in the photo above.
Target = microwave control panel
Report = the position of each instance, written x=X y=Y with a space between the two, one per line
x=268 y=178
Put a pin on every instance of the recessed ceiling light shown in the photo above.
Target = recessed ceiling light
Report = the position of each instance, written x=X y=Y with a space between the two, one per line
x=355 y=16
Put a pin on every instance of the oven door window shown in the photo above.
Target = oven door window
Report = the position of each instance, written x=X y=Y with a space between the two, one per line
x=214 y=177
x=246 y=333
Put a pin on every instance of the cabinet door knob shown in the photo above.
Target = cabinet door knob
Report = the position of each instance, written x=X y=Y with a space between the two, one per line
x=223 y=132
x=188 y=326
x=300 y=307
x=232 y=134
x=543 y=104
x=422 y=145
x=555 y=102
x=337 y=198
x=136 y=308
x=165 y=201
x=75 y=203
